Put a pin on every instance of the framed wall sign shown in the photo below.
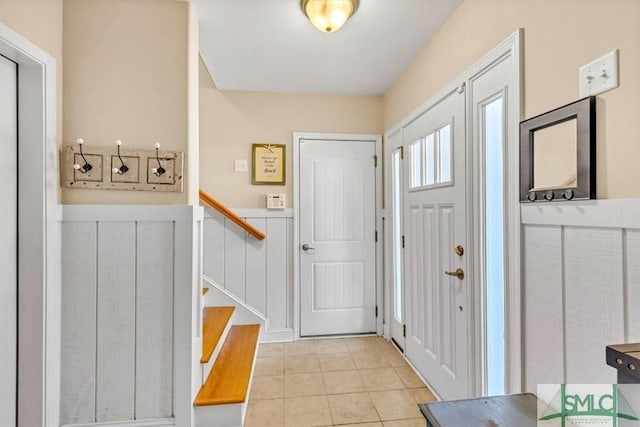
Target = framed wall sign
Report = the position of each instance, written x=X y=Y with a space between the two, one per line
x=268 y=164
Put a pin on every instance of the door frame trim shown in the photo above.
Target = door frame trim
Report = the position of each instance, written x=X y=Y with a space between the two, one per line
x=388 y=239
x=38 y=232
x=377 y=139
x=510 y=47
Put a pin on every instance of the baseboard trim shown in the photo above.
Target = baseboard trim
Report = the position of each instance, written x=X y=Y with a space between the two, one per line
x=160 y=422
x=277 y=335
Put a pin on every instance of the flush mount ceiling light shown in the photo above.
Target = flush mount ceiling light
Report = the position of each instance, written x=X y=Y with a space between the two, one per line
x=329 y=16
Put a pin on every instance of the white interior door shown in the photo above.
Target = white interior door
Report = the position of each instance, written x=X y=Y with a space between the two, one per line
x=337 y=237
x=395 y=190
x=437 y=301
x=8 y=240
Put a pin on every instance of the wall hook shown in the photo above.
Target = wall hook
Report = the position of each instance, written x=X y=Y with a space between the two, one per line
x=159 y=170
x=123 y=168
x=86 y=167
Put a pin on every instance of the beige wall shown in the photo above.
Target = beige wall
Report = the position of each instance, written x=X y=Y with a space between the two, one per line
x=230 y=121
x=39 y=21
x=559 y=37
x=126 y=77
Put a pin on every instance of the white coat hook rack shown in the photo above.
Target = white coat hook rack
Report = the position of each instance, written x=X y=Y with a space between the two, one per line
x=123 y=168
x=86 y=167
x=159 y=171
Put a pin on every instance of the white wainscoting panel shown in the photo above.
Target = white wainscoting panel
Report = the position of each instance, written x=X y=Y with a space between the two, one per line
x=79 y=289
x=632 y=276
x=154 y=319
x=257 y=273
x=543 y=294
x=125 y=287
x=116 y=314
x=593 y=301
x=581 y=288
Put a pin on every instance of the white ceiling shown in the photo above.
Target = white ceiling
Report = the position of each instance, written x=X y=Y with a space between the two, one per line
x=269 y=45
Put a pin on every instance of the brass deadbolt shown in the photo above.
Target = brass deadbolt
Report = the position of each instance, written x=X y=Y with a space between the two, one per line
x=459 y=250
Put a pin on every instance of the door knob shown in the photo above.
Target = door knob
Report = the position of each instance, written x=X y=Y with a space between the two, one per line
x=459 y=273
x=306 y=247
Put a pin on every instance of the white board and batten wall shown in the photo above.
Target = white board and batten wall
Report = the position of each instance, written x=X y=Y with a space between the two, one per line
x=581 y=288
x=130 y=317
x=258 y=274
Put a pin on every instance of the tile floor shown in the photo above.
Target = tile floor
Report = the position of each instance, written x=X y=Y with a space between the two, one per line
x=362 y=382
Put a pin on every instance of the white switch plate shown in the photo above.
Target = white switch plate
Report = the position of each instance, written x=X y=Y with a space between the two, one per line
x=241 y=165
x=600 y=75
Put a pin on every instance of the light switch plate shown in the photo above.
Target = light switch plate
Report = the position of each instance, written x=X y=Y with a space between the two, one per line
x=241 y=165
x=600 y=75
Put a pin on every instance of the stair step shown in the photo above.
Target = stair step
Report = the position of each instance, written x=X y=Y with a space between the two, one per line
x=205 y=290
x=214 y=321
x=228 y=381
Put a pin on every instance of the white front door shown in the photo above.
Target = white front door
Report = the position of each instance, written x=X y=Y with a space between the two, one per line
x=8 y=240
x=395 y=192
x=435 y=229
x=337 y=237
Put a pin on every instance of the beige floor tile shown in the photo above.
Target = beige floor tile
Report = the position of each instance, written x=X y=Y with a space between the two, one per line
x=307 y=411
x=369 y=359
x=265 y=413
x=300 y=348
x=300 y=364
x=381 y=379
x=383 y=344
x=267 y=387
x=395 y=404
x=269 y=366
x=331 y=346
x=275 y=349
x=422 y=395
x=413 y=422
x=308 y=384
x=357 y=345
x=409 y=378
x=323 y=383
x=343 y=382
x=336 y=362
x=363 y=425
x=352 y=408
x=394 y=357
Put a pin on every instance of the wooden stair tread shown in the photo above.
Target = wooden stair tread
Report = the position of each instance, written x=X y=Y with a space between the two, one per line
x=205 y=290
x=214 y=321
x=228 y=381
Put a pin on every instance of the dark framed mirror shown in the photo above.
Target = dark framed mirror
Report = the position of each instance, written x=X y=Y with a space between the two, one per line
x=558 y=154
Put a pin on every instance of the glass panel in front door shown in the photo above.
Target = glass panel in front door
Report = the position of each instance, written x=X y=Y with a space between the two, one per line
x=493 y=124
x=397 y=235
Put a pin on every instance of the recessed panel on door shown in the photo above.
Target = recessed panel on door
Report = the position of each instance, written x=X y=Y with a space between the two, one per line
x=446 y=222
x=338 y=286
x=338 y=191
